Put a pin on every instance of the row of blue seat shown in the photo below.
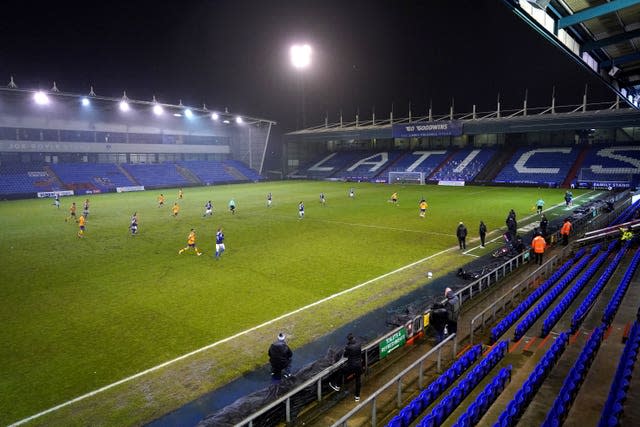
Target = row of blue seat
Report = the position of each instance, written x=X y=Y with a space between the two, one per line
x=617 y=394
x=584 y=308
x=557 y=312
x=451 y=401
x=616 y=299
x=436 y=388
x=537 y=311
x=517 y=406
x=510 y=319
x=627 y=214
x=573 y=381
x=485 y=399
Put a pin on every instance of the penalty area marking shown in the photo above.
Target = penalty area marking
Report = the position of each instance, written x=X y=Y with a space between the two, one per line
x=224 y=340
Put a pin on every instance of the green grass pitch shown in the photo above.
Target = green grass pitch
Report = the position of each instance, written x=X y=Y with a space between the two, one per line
x=78 y=314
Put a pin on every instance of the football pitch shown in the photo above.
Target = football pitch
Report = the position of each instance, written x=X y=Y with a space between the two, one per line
x=79 y=314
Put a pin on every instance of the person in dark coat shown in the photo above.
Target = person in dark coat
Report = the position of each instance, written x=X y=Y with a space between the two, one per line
x=483 y=233
x=280 y=356
x=438 y=320
x=461 y=232
x=512 y=226
x=353 y=353
x=544 y=223
x=452 y=305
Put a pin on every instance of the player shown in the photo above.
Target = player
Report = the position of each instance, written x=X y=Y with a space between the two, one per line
x=81 y=222
x=232 y=206
x=352 y=193
x=539 y=206
x=394 y=198
x=208 y=209
x=423 y=208
x=85 y=208
x=191 y=243
x=269 y=199
x=133 y=226
x=56 y=200
x=161 y=200
x=180 y=194
x=219 y=243
x=175 y=210
x=300 y=210
x=323 y=200
x=72 y=213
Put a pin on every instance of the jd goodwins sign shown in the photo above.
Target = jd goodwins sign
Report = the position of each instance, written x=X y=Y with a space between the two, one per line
x=389 y=344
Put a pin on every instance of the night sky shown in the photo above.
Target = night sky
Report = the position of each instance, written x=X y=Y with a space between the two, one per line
x=235 y=54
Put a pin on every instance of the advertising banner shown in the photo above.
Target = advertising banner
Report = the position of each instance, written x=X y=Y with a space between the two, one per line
x=130 y=188
x=43 y=194
x=393 y=342
x=419 y=129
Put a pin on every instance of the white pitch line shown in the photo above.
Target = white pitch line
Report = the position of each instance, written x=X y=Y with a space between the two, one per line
x=222 y=341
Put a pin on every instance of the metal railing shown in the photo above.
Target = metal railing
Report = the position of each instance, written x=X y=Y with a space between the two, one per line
x=397 y=381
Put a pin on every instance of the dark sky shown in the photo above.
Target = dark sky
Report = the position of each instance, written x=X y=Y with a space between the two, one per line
x=235 y=54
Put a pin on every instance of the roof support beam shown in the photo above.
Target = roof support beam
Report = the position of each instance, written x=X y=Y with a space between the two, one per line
x=594 y=12
x=620 y=60
x=618 y=38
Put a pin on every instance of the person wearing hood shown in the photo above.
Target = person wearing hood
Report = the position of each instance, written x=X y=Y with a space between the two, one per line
x=280 y=356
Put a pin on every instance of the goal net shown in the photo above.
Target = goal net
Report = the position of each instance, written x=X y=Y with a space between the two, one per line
x=406 y=177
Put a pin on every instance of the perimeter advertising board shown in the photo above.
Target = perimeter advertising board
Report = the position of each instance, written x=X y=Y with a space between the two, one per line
x=393 y=342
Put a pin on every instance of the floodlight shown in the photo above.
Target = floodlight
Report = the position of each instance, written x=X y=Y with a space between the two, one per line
x=188 y=113
x=158 y=110
x=225 y=121
x=177 y=115
x=85 y=102
x=300 y=55
x=239 y=120
x=124 y=106
x=214 y=116
x=41 y=98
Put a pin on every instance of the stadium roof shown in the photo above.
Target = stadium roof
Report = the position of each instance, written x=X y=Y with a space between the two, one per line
x=602 y=36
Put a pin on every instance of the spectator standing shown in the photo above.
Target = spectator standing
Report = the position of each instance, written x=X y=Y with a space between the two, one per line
x=280 y=356
x=544 y=223
x=565 y=231
x=353 y=353
x=538 y=244
x=483 y=232
x=461 y=233
x=452 y=305
x=438 y=319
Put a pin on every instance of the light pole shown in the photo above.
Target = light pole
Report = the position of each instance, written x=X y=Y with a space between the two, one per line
x=300 y=55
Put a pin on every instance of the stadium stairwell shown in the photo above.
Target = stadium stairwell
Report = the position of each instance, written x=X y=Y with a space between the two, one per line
x=188 y=175
x=127 y=174
x=56 y=180
x=235 y=173
x=496 y=164
x=573 y=172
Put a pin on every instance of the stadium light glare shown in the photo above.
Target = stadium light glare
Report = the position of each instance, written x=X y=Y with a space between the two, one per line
x=41 y=98
x=239 y=120
x=177 y=115
x=124 y=106
x=188 y=113
x=300 y=55
x=225 y=121
x=158 y=110
x=215 y=116
x=85 y=102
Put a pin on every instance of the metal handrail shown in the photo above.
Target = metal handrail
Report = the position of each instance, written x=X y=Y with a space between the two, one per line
x=397 y=379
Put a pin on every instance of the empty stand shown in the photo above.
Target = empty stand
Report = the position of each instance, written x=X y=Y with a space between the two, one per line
x=156 y=175
x=542 y=166
x=464 y=165
x=91 y=176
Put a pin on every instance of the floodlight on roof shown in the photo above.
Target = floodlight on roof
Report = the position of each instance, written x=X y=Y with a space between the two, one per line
x=188 y=113
x=85 y=102
x=158 y=110
x=300 y=55
x=124 y=106
x=239 y=120
x=214 y=116
x=177 y=115
x=225 y=121
x=41 y=98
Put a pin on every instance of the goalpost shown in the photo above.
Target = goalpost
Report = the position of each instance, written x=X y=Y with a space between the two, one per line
x=406 y=177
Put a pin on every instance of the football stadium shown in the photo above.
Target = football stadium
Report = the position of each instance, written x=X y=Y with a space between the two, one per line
x=166 y=264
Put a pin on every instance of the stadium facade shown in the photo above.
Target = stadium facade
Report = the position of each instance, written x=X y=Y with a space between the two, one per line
x=43 y=132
